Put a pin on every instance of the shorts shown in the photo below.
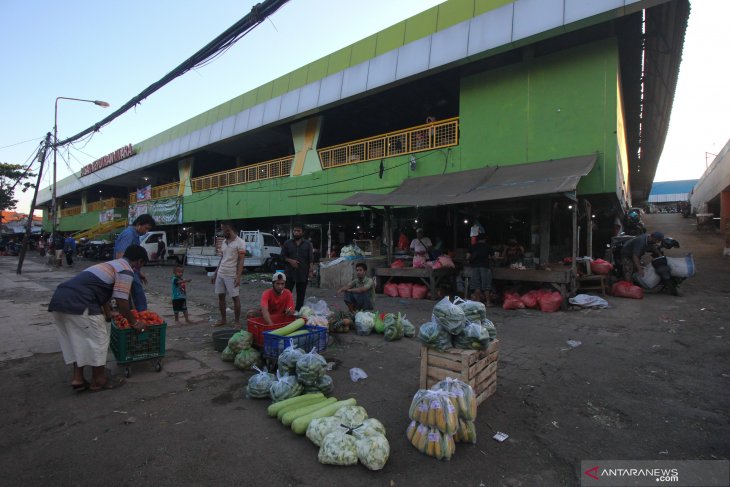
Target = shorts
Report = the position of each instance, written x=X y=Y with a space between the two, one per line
x=59 y=254
x=179 y=305
x=224 y=284
x=481 y=278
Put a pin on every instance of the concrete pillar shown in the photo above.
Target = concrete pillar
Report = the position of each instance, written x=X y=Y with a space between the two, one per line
x=724 y=210
x=84 y=199
x=305 y=135
x=185 y=171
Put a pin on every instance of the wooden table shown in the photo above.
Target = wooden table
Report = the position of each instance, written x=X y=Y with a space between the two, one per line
x=560 y=279
x=430 y=277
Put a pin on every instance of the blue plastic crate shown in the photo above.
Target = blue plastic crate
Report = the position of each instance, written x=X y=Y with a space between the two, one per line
x=316 y=338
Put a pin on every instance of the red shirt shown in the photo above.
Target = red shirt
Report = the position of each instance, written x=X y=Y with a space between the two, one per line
x=277 y=305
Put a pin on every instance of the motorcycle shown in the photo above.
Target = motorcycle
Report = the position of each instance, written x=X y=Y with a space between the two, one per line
x=669 y=272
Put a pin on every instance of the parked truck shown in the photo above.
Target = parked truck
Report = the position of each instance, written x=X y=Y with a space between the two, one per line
x=262 y=251
x=151 y=243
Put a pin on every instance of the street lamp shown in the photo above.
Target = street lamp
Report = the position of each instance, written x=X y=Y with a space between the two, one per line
x=54 y=204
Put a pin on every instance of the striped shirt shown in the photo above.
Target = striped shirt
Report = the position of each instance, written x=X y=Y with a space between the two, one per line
x=93 y=287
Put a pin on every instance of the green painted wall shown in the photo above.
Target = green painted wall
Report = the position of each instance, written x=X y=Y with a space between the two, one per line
x=547 y=108
x=80 y=222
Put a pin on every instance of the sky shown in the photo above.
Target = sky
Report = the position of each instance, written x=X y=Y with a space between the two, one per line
x=111 y=51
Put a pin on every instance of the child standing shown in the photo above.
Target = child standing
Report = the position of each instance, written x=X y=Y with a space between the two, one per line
x=179 y=295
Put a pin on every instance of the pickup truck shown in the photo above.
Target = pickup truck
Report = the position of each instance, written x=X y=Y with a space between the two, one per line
x=262 y=251
x=151 y=242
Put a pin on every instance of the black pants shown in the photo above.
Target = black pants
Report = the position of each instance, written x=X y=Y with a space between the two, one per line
x=69 y=258
x=301 y=291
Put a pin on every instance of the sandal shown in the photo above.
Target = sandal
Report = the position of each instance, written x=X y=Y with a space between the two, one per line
x=80 y=387
x=108 y=385
x=219 y=323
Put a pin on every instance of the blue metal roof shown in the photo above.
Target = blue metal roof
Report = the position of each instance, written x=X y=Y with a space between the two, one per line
x=672 y=187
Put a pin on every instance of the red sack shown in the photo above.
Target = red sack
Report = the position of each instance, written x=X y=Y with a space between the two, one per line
x=530 y=299
x=624 y=289
x=550 y=301
x=391 y=289
x=402 y=242
x=419 y=291
x=600 y=266
x=512 y=301
x=405 y=289
x=397 y=264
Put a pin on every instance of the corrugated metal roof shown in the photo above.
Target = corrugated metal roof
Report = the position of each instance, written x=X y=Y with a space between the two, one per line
x=668 y=198
x=672 y=187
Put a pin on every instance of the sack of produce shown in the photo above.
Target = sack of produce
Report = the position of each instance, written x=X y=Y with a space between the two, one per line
x=461 y=395
x=473 y=310
x=284 y=387
x=466 y=433
x=338 y=449
x=433 y=336
x=393 y=328
x=449 y=315
x=240 y=340
x=489 y=326
x=440 y=445
x=378 y=324
x=247 y=358
x=473 y=337
x=418 y=435
x=351 y=416
x=512 y=301
x=369 y=427
x=530 y=299
x=227 y=355
x=364 y=322
x=409 y=331
x=288 y=358
x=373 y=451
x=550 y=301
x=435 y=408
x=320 y=427
x=624 y=289
x=405 y=289
x=325 y=385
x=419 y=291
x=259 y=384
x=391 y=289
x=310 y=367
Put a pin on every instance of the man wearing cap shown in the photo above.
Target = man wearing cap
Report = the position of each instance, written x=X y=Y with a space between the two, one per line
x=634 y=249
x=275 y=301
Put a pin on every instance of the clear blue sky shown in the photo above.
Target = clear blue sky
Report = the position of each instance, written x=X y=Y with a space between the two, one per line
x=113 y=50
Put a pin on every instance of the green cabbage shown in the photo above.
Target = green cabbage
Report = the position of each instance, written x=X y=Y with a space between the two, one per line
x=259 y=384
x=338 y=448
x=373 y=451
x=247 y=358
x=227 y=355
x=240 y=340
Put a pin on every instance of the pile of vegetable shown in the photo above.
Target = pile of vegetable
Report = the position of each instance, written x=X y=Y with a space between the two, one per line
x=316 y=312
x=391 y=326
x=442 y=417
x=240 y=352
x=461 y=324
x=149 y=318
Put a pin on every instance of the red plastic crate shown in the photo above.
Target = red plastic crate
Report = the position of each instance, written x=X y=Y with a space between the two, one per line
x=257 y=326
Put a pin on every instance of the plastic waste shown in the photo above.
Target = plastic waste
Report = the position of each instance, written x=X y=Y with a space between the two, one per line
x=356 y=374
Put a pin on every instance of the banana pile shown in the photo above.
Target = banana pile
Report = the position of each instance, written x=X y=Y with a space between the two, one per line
x=441 y=417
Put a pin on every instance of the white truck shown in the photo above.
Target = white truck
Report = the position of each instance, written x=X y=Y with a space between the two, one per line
x=151 y=243
x=262 y=251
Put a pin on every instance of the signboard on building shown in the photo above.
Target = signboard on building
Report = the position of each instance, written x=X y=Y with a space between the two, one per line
x=166 y=211
x=109 y=159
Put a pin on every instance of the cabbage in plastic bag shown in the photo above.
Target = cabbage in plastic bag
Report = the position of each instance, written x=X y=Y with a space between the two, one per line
x=320 y=427
x=338 y=449
x=310 y=367
x=369 y=427
x=325 y=385
x=259 y=384
x=449 y=315
x=489 y=326
x=393 y=329
x=241 y=340
x=227 y=355
x=352 y=416
x=288 y=358
x=373 y=451
x=364 y=322
x=247 y=358
x=473 y=310
x=409 y=331
x=284 y=387
x=473 y=337
x=433 y=336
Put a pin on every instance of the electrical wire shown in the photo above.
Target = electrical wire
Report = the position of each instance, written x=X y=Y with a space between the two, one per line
x=19 y=143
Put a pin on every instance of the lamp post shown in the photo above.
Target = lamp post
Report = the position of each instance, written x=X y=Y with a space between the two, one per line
x=54 y=204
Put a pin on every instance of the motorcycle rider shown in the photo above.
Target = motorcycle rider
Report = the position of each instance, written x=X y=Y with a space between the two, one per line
x=634 y=249
x=632 y=223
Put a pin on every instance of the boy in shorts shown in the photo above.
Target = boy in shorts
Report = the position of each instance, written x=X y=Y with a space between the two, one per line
x=179 y=295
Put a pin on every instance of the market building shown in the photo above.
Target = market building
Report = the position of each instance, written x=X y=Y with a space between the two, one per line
x=538 y=118
x=670 y=196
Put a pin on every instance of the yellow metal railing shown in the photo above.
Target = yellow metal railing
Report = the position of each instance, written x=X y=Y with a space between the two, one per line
x=256 y=172
x=164 y=191
x=444 y=133
x=101 y=229
x=74 y=210
x=106 y=204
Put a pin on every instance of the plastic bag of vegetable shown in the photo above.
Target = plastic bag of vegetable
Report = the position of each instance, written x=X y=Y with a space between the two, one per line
x=259 y=384
x=227 y=355
x=241 y=340
x=364 y=322
x=287 y=361
x=310 y=367
x=393 y=329
x=473 y=310
x=369 y=427
x=379 y=325
x=435 y=408
x=461 y=395
x=433 y=336
x=351 y=415
x=338 y=449
x=325 y=385
x=409 y=331
x=449 y=315
x=491 y=329
x=246 y=358
x=466 y=433
x=373 y=451
x=320 y=427
x=473 y=337
x=284 y=387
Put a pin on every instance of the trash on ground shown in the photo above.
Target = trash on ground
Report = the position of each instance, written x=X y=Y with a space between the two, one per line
x=357 y=374
x=500 y=437
x=574 y=343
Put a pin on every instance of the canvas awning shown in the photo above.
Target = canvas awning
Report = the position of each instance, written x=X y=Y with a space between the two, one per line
x=485 y=184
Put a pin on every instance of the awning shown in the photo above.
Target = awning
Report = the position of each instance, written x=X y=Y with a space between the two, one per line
x=485 y=184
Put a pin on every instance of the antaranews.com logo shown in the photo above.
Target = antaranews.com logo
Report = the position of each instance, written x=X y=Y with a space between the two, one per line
x=655 y=472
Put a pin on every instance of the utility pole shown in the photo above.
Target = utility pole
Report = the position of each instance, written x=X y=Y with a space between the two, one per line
x=29 y=224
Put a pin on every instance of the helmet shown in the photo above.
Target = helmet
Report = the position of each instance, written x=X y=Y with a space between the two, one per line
x=633 y=216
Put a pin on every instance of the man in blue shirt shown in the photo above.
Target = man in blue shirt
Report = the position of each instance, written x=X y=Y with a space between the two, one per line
x=130 y=236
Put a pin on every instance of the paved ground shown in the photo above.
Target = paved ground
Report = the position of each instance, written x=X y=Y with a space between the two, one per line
x=649 y=381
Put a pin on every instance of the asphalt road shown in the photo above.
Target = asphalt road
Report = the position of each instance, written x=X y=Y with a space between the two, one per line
x=648 y=381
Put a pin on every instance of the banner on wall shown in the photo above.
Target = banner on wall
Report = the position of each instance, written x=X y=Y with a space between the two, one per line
x=144 y=194
x=166 y=211
x=108 y=215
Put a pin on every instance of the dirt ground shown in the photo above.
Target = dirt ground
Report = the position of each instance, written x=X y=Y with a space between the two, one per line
x=650 y=380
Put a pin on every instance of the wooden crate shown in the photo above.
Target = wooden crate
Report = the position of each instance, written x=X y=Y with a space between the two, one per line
x=478 y=368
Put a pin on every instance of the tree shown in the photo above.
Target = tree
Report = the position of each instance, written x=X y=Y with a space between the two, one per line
x=12 y=177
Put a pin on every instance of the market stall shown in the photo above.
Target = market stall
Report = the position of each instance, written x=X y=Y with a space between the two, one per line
x=433 y=278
